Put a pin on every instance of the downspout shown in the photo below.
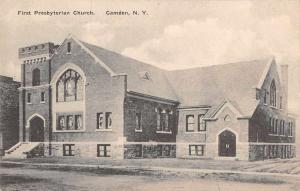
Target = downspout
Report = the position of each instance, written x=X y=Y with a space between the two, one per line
x=24 y=104
x=50 y=110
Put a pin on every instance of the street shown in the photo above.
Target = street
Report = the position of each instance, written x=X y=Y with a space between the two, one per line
x=20 y=178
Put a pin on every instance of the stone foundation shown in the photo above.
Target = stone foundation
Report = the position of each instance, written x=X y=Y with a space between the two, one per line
x=88 y=150
x=149 y=151
x=211 y=150
x=269 y=151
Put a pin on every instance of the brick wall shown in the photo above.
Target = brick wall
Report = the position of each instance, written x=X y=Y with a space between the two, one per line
x=259 y=123
x=9 y=112
x=209 y=138
x=103 y=93
x=149 y=150
x=148 y=110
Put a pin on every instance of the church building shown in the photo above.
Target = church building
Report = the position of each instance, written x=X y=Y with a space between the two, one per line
x=81 y=100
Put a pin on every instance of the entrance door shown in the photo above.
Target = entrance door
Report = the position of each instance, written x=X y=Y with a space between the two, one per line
x=227 y=144
x=36 y=132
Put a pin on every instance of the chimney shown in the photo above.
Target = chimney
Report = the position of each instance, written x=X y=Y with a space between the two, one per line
x=284 y=78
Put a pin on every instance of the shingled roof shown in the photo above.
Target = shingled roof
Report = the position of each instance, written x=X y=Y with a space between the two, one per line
x=156 y=85
x=194 y=87
x=211 y=85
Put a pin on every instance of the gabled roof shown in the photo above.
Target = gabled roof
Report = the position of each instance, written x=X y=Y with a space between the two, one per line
x=211 y=85
x=156 y=85
x=194 y=87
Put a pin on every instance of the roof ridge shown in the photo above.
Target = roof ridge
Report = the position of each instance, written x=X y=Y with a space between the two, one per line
x=220 y=65
x=122 y=55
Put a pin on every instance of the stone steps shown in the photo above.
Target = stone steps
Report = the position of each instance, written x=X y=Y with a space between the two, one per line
x=21 y=149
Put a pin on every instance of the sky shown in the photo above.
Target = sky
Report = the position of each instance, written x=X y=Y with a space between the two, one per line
x=174 y=34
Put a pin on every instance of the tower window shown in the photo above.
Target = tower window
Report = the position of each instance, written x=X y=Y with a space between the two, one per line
x=29 y=98
x=69 y=47
x=36 y=77
x=42 y=96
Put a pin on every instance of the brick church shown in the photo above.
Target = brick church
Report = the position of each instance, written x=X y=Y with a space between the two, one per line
x=78 y=99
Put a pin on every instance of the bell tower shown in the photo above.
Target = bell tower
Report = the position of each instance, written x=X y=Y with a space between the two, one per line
x=35 y=92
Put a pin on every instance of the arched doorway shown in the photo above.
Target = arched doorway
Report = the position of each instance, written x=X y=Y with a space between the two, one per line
x=36 y=130
x=227 y=144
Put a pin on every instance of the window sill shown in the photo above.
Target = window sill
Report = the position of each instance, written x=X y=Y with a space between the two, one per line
x=29 y=103
x=62 y=102
x=68 y=53
x=68 y=131
x=290 y=136
x=192 y=132
x=278 y=135
x=42 y=102
x=104 y=130
x=273 y=135
x=138 y=131
x=196 y=156
x=273 y=107
x=164 y=132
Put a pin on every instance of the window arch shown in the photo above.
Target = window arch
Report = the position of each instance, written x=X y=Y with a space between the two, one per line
x=36 y=77
x=273 y=94
x=69 y=87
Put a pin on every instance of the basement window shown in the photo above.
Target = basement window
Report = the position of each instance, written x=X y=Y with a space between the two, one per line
x=68 y=149
x=103 y=150
x=196 y=150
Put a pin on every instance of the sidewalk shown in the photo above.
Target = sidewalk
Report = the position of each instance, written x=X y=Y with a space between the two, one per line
x=117 y=168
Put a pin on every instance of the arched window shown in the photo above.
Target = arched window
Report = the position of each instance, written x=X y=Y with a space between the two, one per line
x=69 y=87
x=36 y=77
x=273 y=94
